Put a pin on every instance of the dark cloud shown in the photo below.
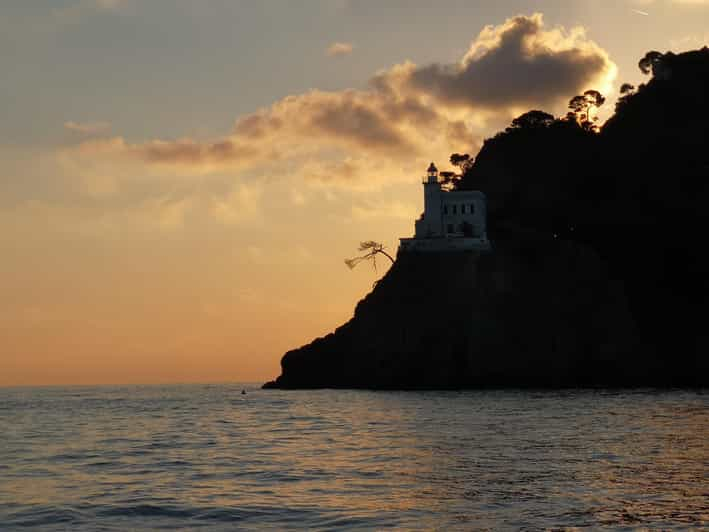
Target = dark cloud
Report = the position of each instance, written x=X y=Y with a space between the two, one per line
x=351 y=119
x=355 y=120
x=518 y=63
x=190 y=152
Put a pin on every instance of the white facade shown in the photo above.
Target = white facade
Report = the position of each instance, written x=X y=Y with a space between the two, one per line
x=451 y=221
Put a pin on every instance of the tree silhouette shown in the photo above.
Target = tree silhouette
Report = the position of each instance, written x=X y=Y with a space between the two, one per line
x=577 y=104
x=449 y=179
x=647 y=64
x=532 y=119
x=581 y=107
x=462 y=161
x=372 y=249
x=627 y=90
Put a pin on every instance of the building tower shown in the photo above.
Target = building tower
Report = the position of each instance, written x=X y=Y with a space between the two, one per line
x=432 y=202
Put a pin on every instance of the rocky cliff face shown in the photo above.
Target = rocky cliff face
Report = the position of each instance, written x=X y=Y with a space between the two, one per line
x=537 y=311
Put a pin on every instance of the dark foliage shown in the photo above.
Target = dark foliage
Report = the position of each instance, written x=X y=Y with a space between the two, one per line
x=636 y=191
x=462 y=161
x=533 y=120
x=647 y=64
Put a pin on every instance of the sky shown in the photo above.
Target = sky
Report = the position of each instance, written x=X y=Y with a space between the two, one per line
x=180 y=181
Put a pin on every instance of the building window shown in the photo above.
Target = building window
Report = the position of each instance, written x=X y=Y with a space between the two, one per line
x=445 y=209
x=450 y=228
x=472 y=208
x=462 y=209
x=455 y=209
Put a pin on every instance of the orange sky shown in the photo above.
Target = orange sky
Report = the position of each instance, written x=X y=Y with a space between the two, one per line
x=181 y=183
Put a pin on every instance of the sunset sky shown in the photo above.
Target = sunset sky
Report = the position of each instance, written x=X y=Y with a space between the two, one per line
x=180 y=181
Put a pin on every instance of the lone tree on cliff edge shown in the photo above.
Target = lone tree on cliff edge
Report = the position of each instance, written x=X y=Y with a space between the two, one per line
x=373 y=249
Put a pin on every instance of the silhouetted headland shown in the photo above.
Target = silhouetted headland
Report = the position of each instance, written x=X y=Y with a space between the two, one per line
x=597 y=274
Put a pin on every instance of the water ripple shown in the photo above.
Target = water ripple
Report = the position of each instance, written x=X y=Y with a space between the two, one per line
x=204 y=456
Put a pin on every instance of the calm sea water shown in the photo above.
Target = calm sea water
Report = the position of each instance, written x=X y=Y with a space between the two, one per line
x=205 y=456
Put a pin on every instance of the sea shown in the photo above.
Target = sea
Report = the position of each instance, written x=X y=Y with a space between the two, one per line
x=189 y=457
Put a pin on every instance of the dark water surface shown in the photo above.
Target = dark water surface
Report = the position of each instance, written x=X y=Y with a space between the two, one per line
x=193 y=456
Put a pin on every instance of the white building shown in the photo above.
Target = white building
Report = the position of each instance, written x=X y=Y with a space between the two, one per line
x=452 y=220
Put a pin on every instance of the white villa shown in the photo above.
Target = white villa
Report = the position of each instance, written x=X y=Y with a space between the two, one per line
x=452 y=220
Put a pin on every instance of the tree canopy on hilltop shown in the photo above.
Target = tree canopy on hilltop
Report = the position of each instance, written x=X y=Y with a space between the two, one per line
x=545 y=171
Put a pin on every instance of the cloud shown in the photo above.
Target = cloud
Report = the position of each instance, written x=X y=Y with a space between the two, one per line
x=517 y=64
x=87 y=128
x=337 y=49
x=317 y=125
x=349 y=119
x=151 y=160
x=407 y=114
x=190 y=152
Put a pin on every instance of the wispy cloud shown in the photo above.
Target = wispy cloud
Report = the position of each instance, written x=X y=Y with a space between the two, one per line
x=339 y=48
x=87 y=128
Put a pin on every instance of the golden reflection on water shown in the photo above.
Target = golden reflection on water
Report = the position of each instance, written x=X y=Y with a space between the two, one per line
x=144 y=457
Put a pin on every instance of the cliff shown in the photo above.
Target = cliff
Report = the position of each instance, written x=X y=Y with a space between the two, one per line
x=537 y=311
x=617 y=298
